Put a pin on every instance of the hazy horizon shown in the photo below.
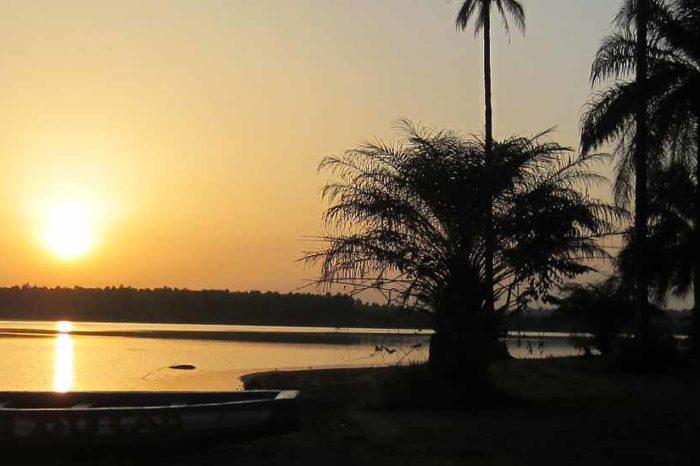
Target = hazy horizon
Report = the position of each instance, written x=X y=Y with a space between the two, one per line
x=190 y=132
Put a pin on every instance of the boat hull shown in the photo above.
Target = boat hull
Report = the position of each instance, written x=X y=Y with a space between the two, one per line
x=99 y=419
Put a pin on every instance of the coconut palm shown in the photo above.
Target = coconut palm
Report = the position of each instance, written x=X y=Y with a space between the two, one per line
x=673 y=102
x=480 y=10
x=410 y=220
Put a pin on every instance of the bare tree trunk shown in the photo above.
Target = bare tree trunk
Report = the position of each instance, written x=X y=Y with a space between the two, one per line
x=489 y=245
x=642 y=315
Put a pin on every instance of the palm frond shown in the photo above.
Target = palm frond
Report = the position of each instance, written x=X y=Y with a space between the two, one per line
x=410 y=217
x=480 y=10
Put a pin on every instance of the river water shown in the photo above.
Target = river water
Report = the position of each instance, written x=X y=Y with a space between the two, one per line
x=66 y=356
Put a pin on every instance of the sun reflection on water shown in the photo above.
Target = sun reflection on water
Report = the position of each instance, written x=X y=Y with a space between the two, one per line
x=63 y=358
x=64 y=326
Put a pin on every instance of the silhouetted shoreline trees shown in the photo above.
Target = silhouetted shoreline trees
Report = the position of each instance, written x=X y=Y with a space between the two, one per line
x=172 y=305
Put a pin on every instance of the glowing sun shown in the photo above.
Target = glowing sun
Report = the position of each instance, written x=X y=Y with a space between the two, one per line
x=68 y=234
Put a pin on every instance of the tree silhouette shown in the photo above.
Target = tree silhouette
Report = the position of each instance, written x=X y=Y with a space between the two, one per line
x=641 y=214
x=672 y=101
x=480 y=10
x=604 y=307
x=670 y=253
x=410 y=220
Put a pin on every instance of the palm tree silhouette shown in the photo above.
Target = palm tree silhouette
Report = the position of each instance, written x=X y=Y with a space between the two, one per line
x=481 y=11
x=671 y=115
x=641 y=211
x=671 y=257
x=409 y=220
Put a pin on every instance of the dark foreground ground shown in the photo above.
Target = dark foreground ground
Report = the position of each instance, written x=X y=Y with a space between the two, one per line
x=559 y=412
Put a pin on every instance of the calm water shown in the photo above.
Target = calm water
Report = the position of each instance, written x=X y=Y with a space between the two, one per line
x=117 y=356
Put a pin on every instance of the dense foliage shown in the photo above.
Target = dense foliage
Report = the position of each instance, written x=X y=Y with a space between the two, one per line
x=674 y=89
x=664 y=256
x=410 y=220
x=671 y=250
x=603 y=309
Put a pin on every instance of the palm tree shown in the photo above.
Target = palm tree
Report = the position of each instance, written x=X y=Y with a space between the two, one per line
x=670 y=255
x=410 y=219
x=672 y=103
x=481 y=11
x=641 y=282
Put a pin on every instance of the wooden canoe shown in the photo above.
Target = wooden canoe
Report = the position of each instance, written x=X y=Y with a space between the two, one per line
x=98 y=419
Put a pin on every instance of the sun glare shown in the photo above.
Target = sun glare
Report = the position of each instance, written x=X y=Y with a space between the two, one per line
x=64 y=326
x=63 y=363
x=68 y=233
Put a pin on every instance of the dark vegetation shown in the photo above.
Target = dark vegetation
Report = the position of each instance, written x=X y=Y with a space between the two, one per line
x=411 y=220
x=471 y=233
x=585 y=314
x=125 y=304
x=590 y=317
x=650 y=111
x=169 y=305
x=470 y=230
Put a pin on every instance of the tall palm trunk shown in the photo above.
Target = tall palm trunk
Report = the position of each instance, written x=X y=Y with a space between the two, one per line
x=695 y=318
x=489 y=240
x=642 y=320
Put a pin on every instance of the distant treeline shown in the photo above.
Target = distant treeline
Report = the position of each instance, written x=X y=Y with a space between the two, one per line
x=554 y=320
x=172 y=305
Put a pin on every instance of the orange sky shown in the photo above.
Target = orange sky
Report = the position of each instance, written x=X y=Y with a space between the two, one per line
x=191 y=130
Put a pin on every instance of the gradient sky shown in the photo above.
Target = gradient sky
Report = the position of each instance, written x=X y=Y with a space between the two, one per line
x=192 y=129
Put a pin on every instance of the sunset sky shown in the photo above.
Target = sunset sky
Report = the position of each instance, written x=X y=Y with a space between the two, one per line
x=187 y=133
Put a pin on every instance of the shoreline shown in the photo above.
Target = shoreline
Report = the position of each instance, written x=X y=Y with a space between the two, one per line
x=560 y=410
x=282 y=334
x=250 y=336
x=555 y=411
